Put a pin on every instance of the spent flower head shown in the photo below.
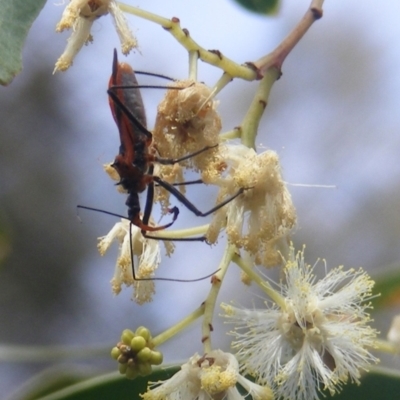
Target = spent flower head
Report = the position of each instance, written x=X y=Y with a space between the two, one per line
x=79 y=16
x=263 y=214
x=317 y=339
x=212 y=376
x=146 y=259
x=187 y=122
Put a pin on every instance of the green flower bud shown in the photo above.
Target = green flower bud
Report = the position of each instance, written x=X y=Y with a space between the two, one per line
x=122 y=368
x=138 y=343
x=144 y=332
x=156 y=358
x=132 y=373
x=144 y=355
x=115 y=353
x=145 y=369
x=127 y=336
x=123 y=358
x=131 y=363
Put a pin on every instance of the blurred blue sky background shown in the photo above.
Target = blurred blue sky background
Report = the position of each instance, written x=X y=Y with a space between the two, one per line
x=333 y=117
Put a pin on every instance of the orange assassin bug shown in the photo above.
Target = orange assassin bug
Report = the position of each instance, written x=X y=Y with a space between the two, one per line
x=137 y=156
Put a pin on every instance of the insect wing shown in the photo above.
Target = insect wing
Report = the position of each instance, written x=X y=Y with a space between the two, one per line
x=127 y=106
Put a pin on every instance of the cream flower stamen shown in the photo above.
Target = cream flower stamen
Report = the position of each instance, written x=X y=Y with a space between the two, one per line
x=213 y=376
x=146 y=259
x=79 y=16
x=318 y=340
x=263 y=214
x=187 y=122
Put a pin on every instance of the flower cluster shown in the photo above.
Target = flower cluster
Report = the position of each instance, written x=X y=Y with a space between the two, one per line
x=135 y=354
x=79 y=16
x=263 y=214
x=313 y=336
x=211 y=376
x=134 y=249
x=317 y=338
x=187 y=123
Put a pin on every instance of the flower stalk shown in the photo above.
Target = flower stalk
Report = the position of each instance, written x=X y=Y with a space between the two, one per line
x=263 y=284
x=183 y=37
x=250 y=123
x=179 y=327
x=211 y=299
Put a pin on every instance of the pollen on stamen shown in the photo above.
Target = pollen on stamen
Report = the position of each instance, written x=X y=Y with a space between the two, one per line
x=135 y=251
x=318 y=338
x=187 y=121
x=79 y=16
x=263 y=214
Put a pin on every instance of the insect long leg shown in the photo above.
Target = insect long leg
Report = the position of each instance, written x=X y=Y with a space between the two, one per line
x=168 y=78
x=168 y=161
x=160 y=278
x=134 y=212
x=194 y=182
x=189 y=205
x=149 y=206
x=131 y=251
x=129 y=114
x=101 y=211
x=147 y=212
x=145 y=223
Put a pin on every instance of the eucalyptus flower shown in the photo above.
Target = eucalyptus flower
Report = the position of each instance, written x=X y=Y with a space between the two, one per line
x=187 y=122
x=144 y=257
x=212 y=376
x=317 y=338
x=263 y=214
x=79 y=16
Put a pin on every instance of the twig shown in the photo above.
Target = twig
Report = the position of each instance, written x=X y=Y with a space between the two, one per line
x=276 y=58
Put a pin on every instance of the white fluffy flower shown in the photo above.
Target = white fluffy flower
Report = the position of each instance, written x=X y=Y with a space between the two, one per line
x=260 y=216
x=317 y=339
x=80 y=15
x=212 y=376
x=146 y=259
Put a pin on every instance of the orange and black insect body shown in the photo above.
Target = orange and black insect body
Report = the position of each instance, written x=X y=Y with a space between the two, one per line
x=134 y=163
x=136 y=158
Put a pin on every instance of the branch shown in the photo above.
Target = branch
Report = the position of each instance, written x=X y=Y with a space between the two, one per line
x=276 y=58
x=213 y=57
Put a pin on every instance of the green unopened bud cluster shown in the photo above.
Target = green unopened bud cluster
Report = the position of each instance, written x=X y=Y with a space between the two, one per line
x=135 y=354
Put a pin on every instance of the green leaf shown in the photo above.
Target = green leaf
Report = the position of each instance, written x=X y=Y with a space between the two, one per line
x=260 y=6
x=113 y=386
x=378 y=385
x=16 y=18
